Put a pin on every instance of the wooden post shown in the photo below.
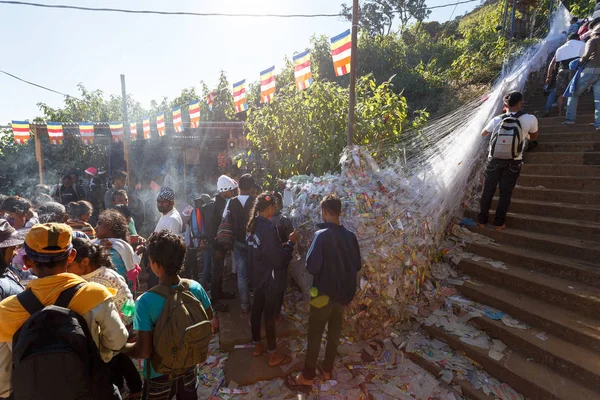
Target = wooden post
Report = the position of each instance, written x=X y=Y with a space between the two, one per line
x=184 y=171
x=353 y=68
x=125 y=128
x=39 y=155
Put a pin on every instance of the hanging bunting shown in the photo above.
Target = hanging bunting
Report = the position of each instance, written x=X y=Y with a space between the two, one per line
x=160 y=124
x=86 y=131
x=239 y=96
x=267 y=85
x=177 y=124
x=146 y=127
x=116 y=129
x=210 y=99
x=21 y=131
x=194 y=113
x=341 y=49
x=133 y=130
x=55 y=132
x=302 y=71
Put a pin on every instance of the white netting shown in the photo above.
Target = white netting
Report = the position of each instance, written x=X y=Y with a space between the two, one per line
x=401 y=209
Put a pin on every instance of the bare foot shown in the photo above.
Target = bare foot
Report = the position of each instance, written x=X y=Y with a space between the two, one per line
x=276 y=359
x=278 y=319
x=259 y=350
x=501 y=227
x=479 y=224
x=299 y=380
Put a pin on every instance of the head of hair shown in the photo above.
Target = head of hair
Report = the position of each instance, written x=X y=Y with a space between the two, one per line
x=168 y=250
x=52 y=212
x=573 y=36
x=3 y=266
x=116 y=223
x=332 y=204
x=73 y=210
x=513 y=98
x=123 y=209
x=262 y=202
x=42 y=189
x=120 y=175
x=118 y=193
x=85 y=207
x=574 y=19
x=16 y=204
x=2 y=198
x=97 y=255
x=246 y=182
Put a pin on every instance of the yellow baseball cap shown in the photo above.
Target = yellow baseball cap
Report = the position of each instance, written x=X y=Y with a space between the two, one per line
x=48 y=242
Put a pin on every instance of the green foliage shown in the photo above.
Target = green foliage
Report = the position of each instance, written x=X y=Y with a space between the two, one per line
x=376 y=17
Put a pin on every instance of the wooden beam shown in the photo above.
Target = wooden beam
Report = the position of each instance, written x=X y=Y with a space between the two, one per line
x=39 y=155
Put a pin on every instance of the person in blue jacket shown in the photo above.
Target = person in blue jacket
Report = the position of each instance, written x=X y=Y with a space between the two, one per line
x=267 y=257
x=333 y=260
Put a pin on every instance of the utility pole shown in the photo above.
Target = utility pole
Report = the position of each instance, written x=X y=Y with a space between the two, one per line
x=512 y=20
x=126 y=132
x=352 y=100
x=504 y=17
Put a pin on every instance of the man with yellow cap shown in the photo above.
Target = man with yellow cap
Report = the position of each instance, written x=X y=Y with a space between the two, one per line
x=48 y=251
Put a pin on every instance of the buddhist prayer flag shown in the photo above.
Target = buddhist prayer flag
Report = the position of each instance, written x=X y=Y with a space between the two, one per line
x=210 y=99
x=146 y=127
x=177 y=124
x=267 y=85
x=133 y=130
x=341 y=49
x=302 y=71
x=20 y=131
x=86 y=131
x=195 y=113
x=116 y=129
x=160 y=124
x=239 y=96
x=55 y=132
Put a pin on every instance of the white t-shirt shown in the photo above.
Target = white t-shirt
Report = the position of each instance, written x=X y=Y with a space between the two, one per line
x=529 y=124
x=171 y=221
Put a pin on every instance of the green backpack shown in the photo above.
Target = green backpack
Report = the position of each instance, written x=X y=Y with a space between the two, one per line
x=182 y=332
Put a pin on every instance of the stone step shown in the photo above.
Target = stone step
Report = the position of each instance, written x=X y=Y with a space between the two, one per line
x=560 y=267
x=584 y=136
x=244 y=369
x=578 y=249
x=566 y=358
x=543 y=224
x=562 y=196
x=532 y=311
x=560 y=128
x=573 y=212
x=535 y=381
x=565 y=147
x=582 y=118
x=585 y=183
x=566 y=294
x=570 y=158
x=561 y=170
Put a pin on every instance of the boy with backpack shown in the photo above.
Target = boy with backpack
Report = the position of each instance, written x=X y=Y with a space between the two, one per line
x=509 y=135
x=59 y=323
x=173 y=323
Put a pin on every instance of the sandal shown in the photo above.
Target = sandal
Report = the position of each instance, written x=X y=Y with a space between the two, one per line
x=293 y=383
x=259 y=350
x=285 y=359
x=323 y=372
x=500 y=227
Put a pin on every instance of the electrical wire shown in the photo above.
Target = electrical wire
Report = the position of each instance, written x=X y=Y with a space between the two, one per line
x=40 y=86
x=194 y=14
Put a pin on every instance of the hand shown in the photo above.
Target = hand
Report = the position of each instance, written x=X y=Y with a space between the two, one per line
x=294 y=237
x=141 y=249
x=548 y=80
x=203 y=244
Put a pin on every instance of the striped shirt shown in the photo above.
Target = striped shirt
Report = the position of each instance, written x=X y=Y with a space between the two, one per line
x=82 y=226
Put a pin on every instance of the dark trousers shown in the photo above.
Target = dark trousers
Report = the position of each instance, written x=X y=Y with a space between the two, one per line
x=331 y=315
x=265 y=303
x=183 y=387
x=190 y=264
x=123 y=369
x=503 y=173
x=216 y=279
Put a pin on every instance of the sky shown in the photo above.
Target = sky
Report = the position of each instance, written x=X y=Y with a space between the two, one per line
x=159 y=55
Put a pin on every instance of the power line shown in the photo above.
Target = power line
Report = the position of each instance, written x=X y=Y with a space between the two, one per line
x=195 y=14
x=40 y=86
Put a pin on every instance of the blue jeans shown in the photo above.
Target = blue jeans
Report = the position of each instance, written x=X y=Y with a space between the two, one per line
x=207 y=269
x=585 y=81
x=551 y=99
x=240 y=252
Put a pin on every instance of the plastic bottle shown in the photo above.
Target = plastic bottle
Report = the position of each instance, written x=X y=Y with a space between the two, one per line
x=128 y=309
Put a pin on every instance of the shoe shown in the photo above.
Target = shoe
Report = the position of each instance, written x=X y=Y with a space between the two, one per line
x=545 y=114
x=567 y=122
x=220 y=306
x=226 y=296
x=259 y=350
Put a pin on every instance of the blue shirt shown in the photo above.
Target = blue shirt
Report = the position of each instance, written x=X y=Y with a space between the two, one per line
x=149 y=306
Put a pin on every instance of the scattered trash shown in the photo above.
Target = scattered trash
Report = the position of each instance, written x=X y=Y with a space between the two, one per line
x=467 y=222
x=542 y=336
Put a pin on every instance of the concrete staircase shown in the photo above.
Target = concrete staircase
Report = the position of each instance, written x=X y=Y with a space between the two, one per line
x=551 y=251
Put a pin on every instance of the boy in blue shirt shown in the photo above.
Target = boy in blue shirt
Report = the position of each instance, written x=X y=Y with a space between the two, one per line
x=166 y=252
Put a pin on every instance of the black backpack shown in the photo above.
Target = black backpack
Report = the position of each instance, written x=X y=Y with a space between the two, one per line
x=54 y=356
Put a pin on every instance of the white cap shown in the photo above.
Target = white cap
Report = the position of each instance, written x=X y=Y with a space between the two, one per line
x=225 y=184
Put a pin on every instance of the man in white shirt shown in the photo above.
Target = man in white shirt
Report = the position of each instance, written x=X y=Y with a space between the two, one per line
x=505 y=157
x=170 y=218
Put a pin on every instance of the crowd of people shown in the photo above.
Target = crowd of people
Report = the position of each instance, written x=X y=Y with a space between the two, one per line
x=93 y=294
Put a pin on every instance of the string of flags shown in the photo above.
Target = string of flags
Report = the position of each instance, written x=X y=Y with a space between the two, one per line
x=341 y=51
